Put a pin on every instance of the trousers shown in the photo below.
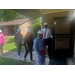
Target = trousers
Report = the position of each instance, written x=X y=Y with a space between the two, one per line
x=1 y=48
x=27 y=51
x=48 y=42
x=40 y=59
x=19 y=45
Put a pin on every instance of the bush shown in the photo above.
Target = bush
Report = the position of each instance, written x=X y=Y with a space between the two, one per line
x=35 y=28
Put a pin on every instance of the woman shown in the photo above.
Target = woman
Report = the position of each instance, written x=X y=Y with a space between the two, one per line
x=28 y=44
x=2 y=40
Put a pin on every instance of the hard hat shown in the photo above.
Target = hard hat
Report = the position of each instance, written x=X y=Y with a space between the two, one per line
x=40 y=32
x=45 y=23
x=0 y=30
x=19 y=30
x=29 y=30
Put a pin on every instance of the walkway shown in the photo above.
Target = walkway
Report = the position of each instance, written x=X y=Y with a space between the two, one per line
x=14 y=55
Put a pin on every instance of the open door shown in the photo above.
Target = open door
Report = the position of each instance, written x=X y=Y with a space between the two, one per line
x=62 y=37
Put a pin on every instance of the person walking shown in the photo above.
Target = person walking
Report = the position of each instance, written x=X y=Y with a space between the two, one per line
x=2 y=40
x=39 y=48
x=28 y=44
x=47 y=38
x=18 y=41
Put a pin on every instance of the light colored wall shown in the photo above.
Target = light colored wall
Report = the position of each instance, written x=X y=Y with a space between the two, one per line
x=24 y=27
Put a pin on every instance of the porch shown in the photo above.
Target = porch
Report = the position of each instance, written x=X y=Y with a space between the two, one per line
x=64 y=46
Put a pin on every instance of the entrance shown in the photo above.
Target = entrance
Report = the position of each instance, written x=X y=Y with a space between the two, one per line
x=62 y=38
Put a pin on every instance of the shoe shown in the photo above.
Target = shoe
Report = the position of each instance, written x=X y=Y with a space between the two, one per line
x=33 y=61
x=19 y=56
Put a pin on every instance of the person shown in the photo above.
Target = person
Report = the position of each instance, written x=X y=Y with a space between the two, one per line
x=39 y=48
x=28 y=44
x=18 y=41
x=47 y=38
x=2 y=40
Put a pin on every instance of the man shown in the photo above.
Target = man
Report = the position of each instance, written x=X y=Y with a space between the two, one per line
x=39 y=48
x=18 y=39
x=46 y=37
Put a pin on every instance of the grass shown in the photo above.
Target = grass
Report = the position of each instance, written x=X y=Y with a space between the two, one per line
x=9 y=44
x=8 y=61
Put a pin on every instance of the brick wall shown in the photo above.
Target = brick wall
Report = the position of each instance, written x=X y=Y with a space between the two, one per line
x=49 y=18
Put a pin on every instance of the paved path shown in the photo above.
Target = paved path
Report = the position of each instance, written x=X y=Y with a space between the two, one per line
x=14 y=55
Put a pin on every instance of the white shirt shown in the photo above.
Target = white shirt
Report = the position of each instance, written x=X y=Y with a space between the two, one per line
x=48 y=33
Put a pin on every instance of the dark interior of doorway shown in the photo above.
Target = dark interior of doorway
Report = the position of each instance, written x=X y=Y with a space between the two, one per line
x=58 y=61
x=60 y=54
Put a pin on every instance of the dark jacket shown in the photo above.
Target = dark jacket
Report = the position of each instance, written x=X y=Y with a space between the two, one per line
x=29 y=39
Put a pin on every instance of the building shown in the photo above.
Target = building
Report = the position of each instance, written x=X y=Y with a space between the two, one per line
x=10 y=28
x=62 y=25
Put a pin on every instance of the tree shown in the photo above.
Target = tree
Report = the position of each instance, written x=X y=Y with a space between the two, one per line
x=8 y=15
x=35 y=28
x=38 y=19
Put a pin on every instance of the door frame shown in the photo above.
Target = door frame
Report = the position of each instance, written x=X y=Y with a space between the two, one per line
x=71 y=44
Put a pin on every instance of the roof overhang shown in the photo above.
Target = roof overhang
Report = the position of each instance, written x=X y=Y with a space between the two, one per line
x=36 y=13
x=30 y=13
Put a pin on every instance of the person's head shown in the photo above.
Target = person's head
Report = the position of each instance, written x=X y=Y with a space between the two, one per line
x=29 y=26
x=0 y=32
x=29 y=30
x=18 y=30
x=40 y=34
x=45 y=25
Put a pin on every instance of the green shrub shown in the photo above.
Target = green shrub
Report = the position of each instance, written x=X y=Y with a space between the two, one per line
x=35 y=28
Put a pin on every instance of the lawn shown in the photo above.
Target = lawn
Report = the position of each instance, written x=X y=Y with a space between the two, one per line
x=9 y=44
x=8 y=61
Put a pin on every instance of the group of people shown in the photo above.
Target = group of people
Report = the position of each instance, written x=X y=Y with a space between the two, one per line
x=39 y=44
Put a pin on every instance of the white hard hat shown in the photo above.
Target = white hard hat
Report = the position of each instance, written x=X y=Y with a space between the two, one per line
x=19 y=30
x=45 y=23
x=29 y=30
x=0 y=30
x=40 y=32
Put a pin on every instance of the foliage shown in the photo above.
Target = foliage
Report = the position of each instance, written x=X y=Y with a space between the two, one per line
x=35 y=28
x=38 y=20
x=9 y=44
x=8 y=61
x=8 y=15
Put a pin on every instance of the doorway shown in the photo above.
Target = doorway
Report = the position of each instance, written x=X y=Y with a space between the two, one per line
x=62 y=38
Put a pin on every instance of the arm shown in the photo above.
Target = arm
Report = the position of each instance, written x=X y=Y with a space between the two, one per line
x=27 y=46
x=14 y=40
x=25 y=39
x=35 y=45
x=50 y=33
